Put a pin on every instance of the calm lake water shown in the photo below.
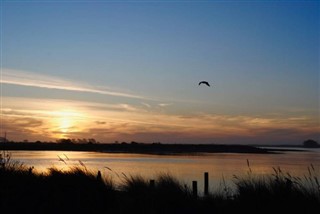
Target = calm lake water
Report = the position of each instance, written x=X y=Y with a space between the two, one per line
x=221 y=166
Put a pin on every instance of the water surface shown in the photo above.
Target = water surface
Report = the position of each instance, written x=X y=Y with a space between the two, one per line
x=220 y=166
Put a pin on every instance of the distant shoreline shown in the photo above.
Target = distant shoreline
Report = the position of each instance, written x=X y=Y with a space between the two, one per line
x=139 y=148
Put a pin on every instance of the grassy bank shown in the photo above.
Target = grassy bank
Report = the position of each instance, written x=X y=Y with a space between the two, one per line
x=23 y=190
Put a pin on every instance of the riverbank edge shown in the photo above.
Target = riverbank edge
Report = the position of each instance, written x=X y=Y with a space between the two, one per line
x=158 y=149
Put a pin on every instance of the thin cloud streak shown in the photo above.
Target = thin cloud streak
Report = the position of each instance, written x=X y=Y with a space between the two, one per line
x=126 y=121
x=23 y=78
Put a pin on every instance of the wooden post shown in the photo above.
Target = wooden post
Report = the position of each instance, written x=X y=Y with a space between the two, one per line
x=152 y=183
x=206 y=183
x=194 y=189
x=30 y=170
x=99 y=176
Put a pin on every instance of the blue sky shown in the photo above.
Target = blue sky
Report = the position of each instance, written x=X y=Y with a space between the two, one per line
x=147 y=57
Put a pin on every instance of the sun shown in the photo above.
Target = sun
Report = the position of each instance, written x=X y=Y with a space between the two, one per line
x=64 y=122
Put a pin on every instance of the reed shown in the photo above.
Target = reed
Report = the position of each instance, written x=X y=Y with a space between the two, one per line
x=280 y=189
x=81 y=190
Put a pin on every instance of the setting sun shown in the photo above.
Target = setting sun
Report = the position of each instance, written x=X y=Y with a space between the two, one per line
x=64 y=122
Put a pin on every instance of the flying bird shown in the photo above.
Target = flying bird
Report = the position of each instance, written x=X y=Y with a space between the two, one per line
x=204 y=82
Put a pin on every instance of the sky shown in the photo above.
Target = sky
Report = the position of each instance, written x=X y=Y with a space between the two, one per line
x=129 y=71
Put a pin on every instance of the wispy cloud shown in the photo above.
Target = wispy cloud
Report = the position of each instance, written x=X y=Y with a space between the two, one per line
x=100 y=122
x=45 y=118
x=165 y=104
x=24 y=127
x=24 y=78
x=146 y=105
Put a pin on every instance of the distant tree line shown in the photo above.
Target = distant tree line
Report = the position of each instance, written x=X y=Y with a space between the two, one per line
x=77 y=141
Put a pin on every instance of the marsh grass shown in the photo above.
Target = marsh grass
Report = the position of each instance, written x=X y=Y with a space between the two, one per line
x=280 y=189
x=79 y=190
x=7 y=164
x=166 y=195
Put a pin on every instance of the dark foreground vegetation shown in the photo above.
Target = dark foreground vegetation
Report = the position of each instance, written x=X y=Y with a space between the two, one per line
x=23 y=190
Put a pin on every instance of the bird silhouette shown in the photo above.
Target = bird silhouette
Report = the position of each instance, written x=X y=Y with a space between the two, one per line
x=204 y=82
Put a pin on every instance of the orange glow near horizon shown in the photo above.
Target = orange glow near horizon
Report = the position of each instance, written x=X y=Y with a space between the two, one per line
x=46 y=119
x=64 y=122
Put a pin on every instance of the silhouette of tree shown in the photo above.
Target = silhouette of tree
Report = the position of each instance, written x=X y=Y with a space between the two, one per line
x=91 y=141
x=64 y=141
x=310 y=143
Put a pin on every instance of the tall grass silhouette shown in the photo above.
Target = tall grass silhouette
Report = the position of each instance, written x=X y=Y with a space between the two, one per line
x=280 y=189
x=82 y=190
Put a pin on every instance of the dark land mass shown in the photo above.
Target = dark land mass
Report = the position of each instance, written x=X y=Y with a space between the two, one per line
x=282 y=148
x=155 y=148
